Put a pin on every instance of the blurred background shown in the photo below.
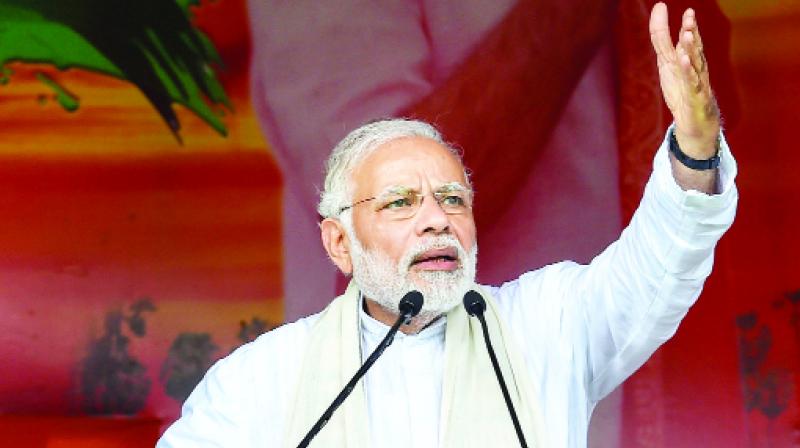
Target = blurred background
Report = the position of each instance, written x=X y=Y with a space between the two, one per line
x=159 y=164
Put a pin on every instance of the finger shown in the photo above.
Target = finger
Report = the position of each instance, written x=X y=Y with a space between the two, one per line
x=689 y=23
x=688 y=72
x=695 y=55
x=659 y=34
x=695 y=50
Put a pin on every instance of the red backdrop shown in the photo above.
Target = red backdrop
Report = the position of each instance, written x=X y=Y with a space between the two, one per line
x=117 y=244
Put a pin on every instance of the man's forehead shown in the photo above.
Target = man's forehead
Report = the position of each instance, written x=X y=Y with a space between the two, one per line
x=409 y=162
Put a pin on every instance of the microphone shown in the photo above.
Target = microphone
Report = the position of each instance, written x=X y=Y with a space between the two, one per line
x=476 y=306
x=409 y=306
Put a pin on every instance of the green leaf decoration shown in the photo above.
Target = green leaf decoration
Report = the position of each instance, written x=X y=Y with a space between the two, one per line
x=150 y=43
x=67 y=100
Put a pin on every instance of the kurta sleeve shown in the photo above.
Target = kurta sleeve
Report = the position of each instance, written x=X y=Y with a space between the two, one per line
x=217 y=411
x=632 y=296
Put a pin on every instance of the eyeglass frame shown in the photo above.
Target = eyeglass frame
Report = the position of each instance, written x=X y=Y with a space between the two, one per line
x=438 y=196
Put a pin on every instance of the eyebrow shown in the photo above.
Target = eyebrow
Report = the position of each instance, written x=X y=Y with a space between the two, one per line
x=395 y=189
x=452 y=186
x=403 y=189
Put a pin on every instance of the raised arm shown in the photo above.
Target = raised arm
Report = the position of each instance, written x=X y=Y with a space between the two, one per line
x=633 y=296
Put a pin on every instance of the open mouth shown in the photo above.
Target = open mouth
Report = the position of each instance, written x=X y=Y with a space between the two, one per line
x=444 y=259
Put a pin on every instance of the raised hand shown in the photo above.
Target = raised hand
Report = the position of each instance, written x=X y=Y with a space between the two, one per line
x=683 y=73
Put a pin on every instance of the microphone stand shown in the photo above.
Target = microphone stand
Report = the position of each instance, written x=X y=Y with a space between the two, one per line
x=476 y=306
x=410 y=305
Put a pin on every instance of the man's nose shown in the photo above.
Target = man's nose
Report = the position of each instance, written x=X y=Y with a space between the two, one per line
x=431 y=217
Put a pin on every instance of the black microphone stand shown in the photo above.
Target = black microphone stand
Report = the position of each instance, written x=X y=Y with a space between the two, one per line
x=409 y=306
x=476 y=306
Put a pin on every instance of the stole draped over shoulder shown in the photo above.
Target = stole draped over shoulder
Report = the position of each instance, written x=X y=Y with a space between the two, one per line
x=473 y=412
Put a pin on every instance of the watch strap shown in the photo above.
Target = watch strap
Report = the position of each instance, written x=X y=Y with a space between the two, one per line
x=700 y=165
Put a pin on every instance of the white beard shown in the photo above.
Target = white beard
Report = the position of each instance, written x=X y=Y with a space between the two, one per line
x=386 y=283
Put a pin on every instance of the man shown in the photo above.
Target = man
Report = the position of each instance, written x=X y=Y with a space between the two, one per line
x=398 y=215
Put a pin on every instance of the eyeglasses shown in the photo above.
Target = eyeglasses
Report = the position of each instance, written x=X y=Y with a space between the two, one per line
x=403 y=202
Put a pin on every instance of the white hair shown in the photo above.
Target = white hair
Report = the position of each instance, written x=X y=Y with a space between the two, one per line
x=356 y=146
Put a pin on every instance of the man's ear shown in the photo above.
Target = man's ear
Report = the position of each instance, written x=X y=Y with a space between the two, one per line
x=336 y=244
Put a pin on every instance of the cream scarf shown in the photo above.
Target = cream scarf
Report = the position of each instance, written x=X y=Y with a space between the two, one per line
x=473 y=412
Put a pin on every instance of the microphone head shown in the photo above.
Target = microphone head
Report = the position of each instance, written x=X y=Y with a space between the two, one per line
x=474 y=303
x=411 y=303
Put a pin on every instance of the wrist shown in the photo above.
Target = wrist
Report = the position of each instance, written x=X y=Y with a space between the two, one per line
x=699 y=146
x=700 y=156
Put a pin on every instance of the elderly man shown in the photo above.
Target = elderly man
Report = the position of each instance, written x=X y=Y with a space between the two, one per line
x=397 y=208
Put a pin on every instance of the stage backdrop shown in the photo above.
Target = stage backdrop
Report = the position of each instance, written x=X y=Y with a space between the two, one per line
x=159 y=163
x=140 y=231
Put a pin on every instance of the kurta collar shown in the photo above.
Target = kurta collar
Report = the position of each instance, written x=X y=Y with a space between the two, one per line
x=374 y=328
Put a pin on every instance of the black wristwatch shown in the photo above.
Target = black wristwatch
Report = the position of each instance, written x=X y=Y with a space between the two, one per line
x=700 y=165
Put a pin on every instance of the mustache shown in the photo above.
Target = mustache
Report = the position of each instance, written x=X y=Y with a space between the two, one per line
x=431 y=243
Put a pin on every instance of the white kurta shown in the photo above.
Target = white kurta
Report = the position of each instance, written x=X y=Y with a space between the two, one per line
x=582 y=329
